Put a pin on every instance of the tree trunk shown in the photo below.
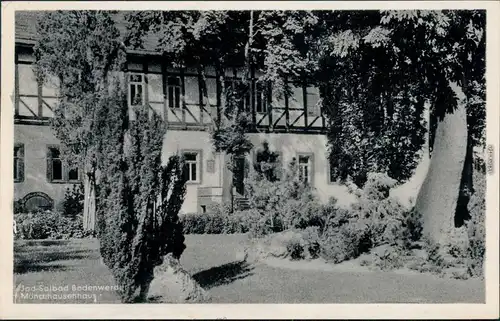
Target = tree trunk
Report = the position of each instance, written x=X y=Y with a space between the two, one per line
x=89 y=202
x=466 y=186
x=437 y=198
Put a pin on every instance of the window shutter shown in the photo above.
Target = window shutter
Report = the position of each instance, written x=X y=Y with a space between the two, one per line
x=21 y=163
x=49 y=165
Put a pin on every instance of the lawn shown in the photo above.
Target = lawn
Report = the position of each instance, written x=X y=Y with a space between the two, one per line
x=74 y=266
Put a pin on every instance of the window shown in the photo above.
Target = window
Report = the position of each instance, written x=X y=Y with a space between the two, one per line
x=313 y=103
x=55 y=164
x=136 y=89
x=192 y=166
x=174 y=92
x=237 y=90
x=57 y=172
x=305 y=168
x=73 y=175
x=18 y=162
x=260 y=98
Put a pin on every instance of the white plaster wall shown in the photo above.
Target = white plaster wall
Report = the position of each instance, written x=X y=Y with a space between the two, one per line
x=177 y=140
x=291 y=144
x=35 y=140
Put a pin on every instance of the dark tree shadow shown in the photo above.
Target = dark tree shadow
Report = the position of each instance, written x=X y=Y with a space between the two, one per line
x=39 y=261
x=30 y=267
x=223 y=274
x=45 y=243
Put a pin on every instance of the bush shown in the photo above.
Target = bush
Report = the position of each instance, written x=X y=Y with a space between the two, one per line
x=389 y=222
x=292 y=244
x=220 y=221
x=389 y=257
x=311 y=239
x=283 y=204
x=48 y=225
x=295 y=247
x=476 y=228
x=375 y=219
x=302 y=212
x=193 y=223
x=18 y=207
x=344 y=242
x=434 y=257
x=72 y=204
x=456 y=244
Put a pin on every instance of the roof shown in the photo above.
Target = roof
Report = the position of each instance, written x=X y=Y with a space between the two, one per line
x=26 y=33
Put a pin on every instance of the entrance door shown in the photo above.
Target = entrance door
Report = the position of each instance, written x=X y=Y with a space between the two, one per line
x=239 y=174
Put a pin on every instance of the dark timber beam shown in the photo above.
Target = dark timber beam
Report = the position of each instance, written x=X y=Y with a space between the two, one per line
x=183 y=93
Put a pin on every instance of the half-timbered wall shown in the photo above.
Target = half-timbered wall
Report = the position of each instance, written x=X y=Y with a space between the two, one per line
x=34 y=100
x=177 y=95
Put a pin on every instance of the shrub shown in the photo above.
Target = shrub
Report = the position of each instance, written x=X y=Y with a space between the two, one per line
x=375 y=219
x=295 y=247
x=389 y=257
x=344 y=242
x=48 y=225
x=259 y=225
x=193 y=223
x=311 y=239
x=476 y=228
x=220 y=221
x=284 y=203
x=456 y=243
x=388 y=221
x=434 y=257
x=302 y=212
x=230 y=222
x=214 y=224
x=18 y=207
x=378 y=186
x=72 y=204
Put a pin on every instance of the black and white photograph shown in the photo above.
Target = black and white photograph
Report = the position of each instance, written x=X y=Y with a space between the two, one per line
x=251 y=156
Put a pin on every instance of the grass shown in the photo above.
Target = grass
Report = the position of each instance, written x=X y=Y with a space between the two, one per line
x=212 y=261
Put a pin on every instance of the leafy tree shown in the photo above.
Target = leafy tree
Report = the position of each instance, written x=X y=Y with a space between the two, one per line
x=451 y=61
x=441 y=55
x=375 y=118
x=80 y=49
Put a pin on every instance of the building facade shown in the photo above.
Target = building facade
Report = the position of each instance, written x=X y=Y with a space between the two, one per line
x=293 y=126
